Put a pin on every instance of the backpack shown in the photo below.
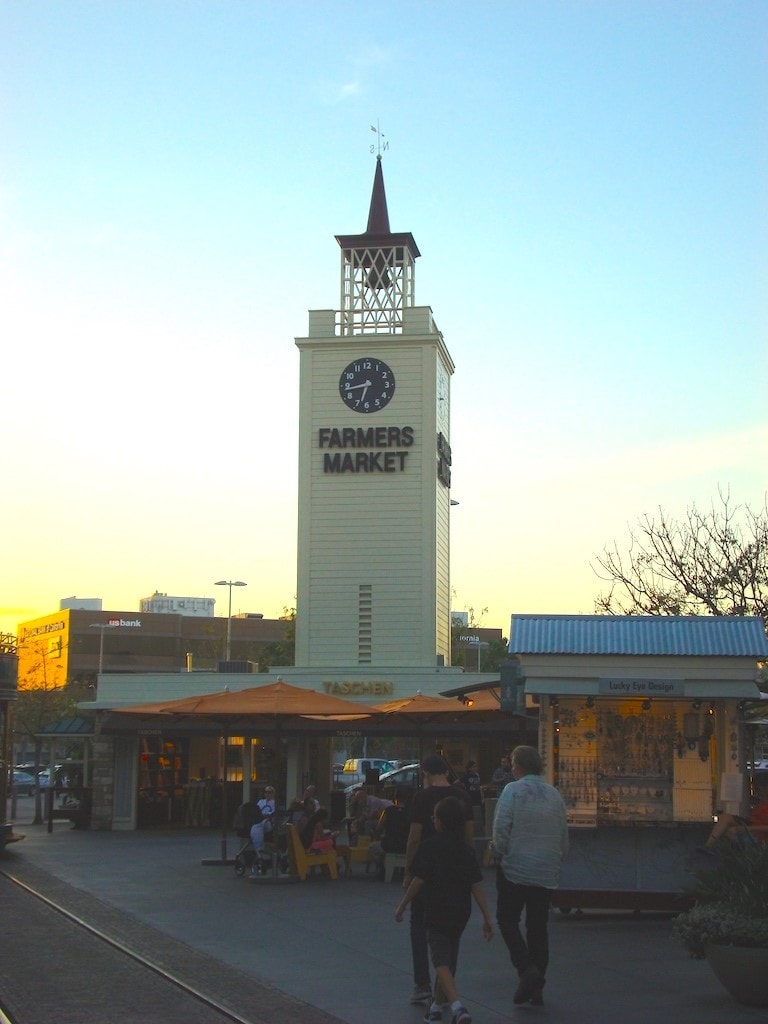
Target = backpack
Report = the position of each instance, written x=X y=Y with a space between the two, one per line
x=246 y=816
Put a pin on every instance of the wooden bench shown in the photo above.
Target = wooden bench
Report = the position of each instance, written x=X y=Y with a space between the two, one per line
x=301 y=860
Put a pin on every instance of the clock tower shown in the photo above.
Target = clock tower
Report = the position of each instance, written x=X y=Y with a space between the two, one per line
x=374 y=466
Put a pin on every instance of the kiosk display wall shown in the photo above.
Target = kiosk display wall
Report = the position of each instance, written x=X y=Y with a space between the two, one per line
x=640 y=780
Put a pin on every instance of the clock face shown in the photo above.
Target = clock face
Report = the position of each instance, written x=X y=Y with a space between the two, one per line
x=366 y=385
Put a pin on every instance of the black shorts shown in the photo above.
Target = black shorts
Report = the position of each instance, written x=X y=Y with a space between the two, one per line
x=443 y=948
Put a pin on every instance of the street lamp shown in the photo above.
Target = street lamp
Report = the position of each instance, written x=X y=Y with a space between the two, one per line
x=102 y=626
x=230 y=584
x=479 y=644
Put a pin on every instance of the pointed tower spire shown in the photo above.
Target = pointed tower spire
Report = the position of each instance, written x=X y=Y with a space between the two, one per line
x=378 y=216
x=377 y=270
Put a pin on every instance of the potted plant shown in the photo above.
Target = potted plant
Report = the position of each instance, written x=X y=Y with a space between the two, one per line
x=728 y=924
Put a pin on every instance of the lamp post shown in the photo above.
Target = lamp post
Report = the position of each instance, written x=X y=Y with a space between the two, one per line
x=230 y=584
x=479 y=644
x=102 y=626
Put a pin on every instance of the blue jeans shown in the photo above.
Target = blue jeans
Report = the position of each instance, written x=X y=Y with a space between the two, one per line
x=512 y=899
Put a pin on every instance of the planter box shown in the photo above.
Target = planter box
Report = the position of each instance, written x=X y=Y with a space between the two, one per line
x=742 y=971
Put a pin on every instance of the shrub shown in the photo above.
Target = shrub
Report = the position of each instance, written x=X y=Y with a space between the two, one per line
x=731 y=901
x=720 y=924
x=738 y=878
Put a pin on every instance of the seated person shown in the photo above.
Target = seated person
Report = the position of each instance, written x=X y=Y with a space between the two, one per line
x=310 y=793
x=317 y=838
x=729 y=825
x=268 y=805
x=298 y=816
x=296 y=813
x=300 y=812
x=366 y=810
x=257 y=837
x=392 y=830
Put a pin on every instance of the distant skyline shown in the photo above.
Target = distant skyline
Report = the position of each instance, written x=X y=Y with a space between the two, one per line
x=586 y=184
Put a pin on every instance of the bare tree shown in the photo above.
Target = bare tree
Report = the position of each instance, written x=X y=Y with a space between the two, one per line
x=709 y=563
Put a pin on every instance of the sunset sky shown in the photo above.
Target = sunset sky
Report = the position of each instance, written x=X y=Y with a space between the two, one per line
x=586 y=182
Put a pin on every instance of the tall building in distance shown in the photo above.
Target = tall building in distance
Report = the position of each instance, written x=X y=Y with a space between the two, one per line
x=374 y=465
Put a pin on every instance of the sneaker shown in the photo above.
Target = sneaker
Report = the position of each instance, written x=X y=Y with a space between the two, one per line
x=421 y=994
x=434 y=1017
x=461 y=1016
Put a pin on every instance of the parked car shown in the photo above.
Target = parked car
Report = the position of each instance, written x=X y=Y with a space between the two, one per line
x=64 y=775
x=355 y=768
x=23 y=782
x=408 y=777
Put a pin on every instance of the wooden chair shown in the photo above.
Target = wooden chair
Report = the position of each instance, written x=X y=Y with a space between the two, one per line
x=360 y=854
x=301 y=860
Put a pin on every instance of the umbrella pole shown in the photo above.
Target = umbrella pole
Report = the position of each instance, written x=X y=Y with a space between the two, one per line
x=224 y=807
x=222 y=860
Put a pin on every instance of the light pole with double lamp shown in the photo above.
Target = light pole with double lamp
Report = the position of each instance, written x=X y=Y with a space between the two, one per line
x=230 y=584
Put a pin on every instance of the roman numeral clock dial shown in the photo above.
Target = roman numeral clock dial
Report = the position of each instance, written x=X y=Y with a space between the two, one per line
x=366 y=385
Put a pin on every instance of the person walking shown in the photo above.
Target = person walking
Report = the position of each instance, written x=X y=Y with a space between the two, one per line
x=530 y=840
x=435 y=771
x=446 y=872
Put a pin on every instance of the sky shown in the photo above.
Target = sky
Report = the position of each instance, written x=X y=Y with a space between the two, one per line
x=586 y=182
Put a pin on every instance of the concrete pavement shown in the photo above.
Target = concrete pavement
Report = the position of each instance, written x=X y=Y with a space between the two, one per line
x=336 y=945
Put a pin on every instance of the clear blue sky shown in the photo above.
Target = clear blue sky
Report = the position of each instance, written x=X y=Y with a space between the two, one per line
x=586 y=182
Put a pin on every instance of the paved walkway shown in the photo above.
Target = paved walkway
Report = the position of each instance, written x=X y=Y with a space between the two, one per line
x=336 y=945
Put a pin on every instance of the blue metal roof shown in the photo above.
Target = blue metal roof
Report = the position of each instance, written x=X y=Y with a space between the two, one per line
x=692 y=635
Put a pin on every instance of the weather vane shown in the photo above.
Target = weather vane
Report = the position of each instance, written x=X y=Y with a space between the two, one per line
x=380 y=144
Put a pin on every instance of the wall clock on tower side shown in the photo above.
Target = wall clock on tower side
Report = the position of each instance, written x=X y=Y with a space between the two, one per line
x=366 y=385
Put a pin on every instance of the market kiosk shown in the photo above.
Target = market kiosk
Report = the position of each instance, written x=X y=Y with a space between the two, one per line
x=640 y=729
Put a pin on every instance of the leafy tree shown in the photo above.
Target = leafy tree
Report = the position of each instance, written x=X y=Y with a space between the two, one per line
x=713 y=562
x=491 y=655
x=281 y=652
